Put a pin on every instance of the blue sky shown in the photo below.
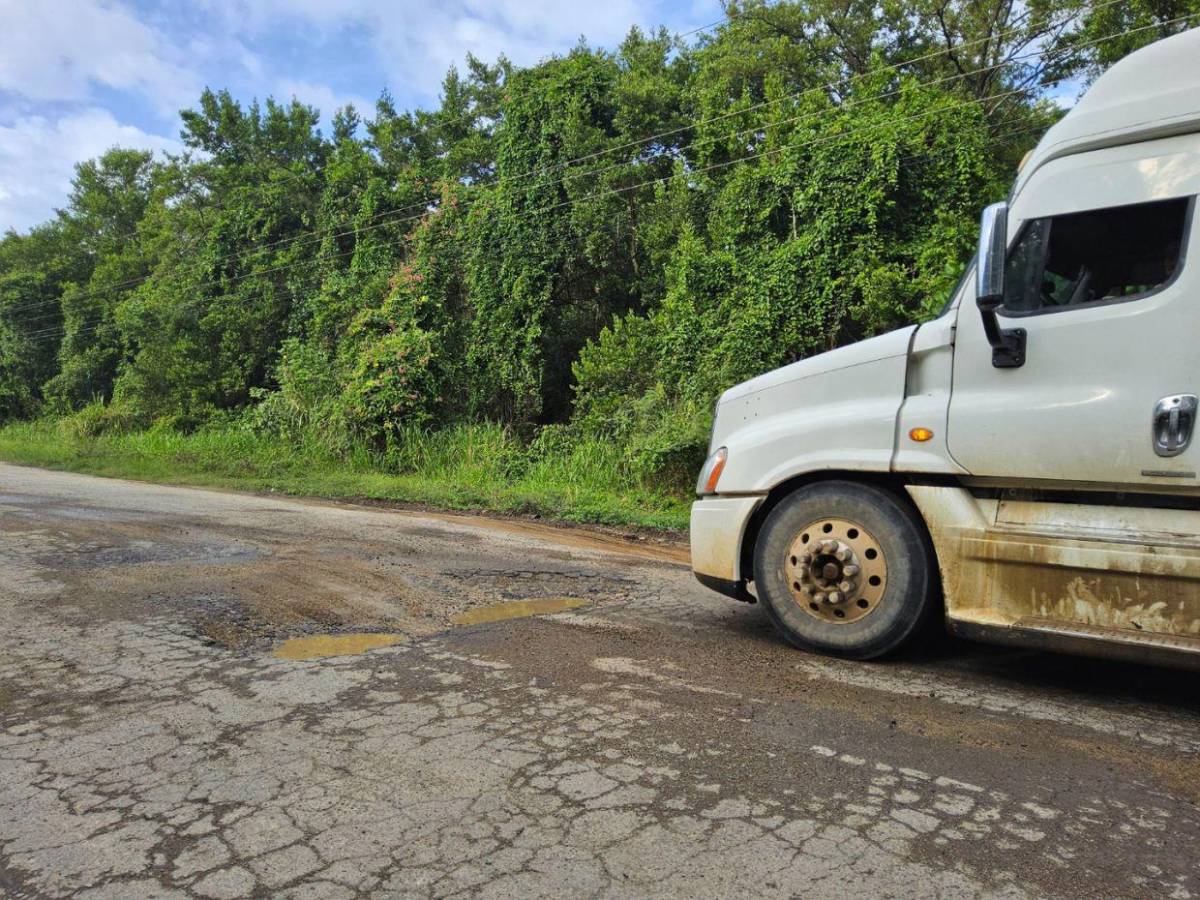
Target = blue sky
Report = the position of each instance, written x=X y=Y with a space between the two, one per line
x=79 y=76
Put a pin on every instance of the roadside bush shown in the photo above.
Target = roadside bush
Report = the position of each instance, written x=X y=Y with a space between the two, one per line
x=306 y=407
x=392 y=386
x=481 y=456
x=99 y=418
x=611 y=371
x=553 y=441
x=670 y=442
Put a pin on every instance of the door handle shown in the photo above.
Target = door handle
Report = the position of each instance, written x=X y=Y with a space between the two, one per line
x=1174 y=421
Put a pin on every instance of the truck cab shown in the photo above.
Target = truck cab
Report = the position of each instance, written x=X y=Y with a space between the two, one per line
x=1023 y=465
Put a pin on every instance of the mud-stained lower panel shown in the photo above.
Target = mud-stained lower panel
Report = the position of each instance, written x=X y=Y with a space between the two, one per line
x=1107 y=583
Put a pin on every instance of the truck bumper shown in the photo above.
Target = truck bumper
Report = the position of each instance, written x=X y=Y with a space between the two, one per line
x=717 y=529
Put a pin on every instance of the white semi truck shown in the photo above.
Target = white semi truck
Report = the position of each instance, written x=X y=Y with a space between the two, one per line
x=1022 y=465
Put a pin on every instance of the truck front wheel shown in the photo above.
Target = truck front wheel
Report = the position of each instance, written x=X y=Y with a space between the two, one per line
x=845 y=568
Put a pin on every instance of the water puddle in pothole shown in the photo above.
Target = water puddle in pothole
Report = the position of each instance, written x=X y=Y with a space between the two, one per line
x=317 y=646
x=518 y=609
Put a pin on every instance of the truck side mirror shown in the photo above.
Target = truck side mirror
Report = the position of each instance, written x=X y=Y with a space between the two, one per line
x=1008 y=344
x=989 y=267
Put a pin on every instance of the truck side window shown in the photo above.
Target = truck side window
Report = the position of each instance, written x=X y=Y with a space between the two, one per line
x=1103 y=254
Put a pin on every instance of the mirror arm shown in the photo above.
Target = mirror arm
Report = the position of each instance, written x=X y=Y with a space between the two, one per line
x=1008 y=344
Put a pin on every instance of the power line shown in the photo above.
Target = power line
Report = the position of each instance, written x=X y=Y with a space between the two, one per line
x=391 y=217
x=283 y=178
x=294 y=240
x=51 y=335
x=62 y=331
x=831 y=86
x=1011 y=137
x=690 y=173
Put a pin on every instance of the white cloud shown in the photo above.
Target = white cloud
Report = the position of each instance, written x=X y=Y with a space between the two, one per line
x=416 y=41
x=38 y=156
x=434 y=37
x=323 y=97
x=66 y=59
x=60 y=50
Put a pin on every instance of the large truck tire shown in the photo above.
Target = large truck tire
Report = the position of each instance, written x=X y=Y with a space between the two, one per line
x=846 y=569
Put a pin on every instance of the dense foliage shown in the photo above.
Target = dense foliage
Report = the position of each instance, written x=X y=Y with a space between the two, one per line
x=590 y=249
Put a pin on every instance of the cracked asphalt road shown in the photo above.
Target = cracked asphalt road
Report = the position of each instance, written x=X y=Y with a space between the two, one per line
x=656 y=741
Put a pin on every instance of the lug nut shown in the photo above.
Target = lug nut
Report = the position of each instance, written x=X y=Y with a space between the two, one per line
x=850 y=570
x=819 y=596
x=843 y=553
x=835 y=597
x=845 y=587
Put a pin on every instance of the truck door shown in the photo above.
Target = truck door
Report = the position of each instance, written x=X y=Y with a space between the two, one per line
x=1099 y=277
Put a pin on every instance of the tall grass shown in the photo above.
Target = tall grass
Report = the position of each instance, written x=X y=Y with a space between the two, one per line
x=483 y=467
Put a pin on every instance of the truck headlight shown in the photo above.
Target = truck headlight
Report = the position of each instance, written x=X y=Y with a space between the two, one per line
x=711 y=473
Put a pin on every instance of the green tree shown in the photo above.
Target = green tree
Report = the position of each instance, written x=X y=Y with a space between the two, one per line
x=1108 y=32
x=108 y=200
x=601 y=242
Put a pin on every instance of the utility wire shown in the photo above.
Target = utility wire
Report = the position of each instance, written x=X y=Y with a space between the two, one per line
x=50 y=335
x=294 y=241
x=62 y=330
x=838 y=137
x=285 y=177
x=829 y=87
x=318 y=235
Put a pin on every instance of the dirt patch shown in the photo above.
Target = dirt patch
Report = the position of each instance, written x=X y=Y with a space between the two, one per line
x=661 y=545
x=319 y=646
x=517 y=609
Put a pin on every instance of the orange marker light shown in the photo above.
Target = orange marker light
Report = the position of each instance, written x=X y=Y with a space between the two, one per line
x=713 y=475
x=921 y=435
